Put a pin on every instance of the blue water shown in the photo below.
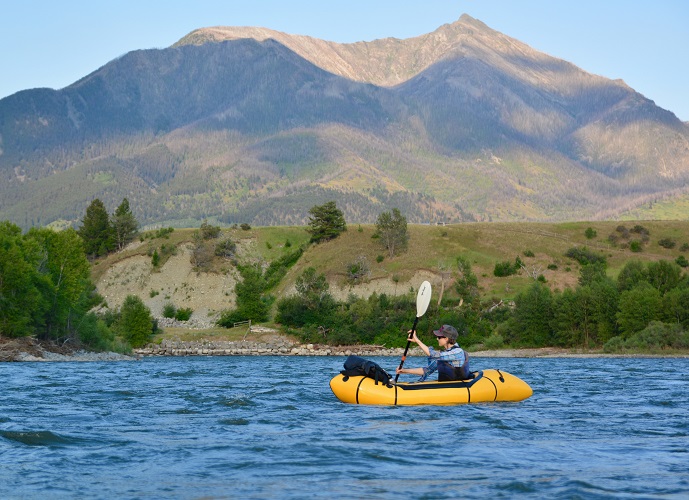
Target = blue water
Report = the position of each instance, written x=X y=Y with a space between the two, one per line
x=269 y=427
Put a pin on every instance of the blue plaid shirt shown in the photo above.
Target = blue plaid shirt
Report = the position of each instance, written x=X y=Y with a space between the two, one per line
x=454 y=356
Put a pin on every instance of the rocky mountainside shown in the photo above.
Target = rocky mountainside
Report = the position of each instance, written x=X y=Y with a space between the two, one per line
x=253 y=125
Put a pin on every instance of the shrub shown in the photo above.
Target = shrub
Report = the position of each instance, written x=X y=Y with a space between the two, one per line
x=135 y=323
x=494 y=341
x=667 y=243
x=682 y=261
x=226 y=248
x=358 y=270
x=209 y=231
x=656 y=336
x=635 y=246
x=169 y=310
x=507 y=268
x=528 y=253
x=585 y=256
x=184 y=313
x=590 y=233
x=640 y=230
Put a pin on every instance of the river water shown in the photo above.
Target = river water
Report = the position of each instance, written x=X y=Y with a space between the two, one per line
x=269 y=427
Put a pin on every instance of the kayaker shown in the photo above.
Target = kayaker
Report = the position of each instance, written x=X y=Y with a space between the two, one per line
x=451 y=364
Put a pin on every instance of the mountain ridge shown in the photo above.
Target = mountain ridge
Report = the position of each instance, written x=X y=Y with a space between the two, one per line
x=259 y=128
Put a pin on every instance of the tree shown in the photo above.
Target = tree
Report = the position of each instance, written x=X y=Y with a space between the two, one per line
x=66 y=273
x=392 y=230
x=638 y=307
x=467 y=282
x=631 y=275
x=312 y=288
x=96 y=231
x=530 y=322
x=21 y=301
x=664 y=275
x=251 y=303
x=124 y=225
x=135 y=323
x=326 y=222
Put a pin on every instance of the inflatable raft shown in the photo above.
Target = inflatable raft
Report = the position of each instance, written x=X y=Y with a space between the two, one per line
x=486 y=386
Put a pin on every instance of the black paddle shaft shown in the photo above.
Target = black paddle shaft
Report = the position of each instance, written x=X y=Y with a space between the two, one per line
x=404 y=356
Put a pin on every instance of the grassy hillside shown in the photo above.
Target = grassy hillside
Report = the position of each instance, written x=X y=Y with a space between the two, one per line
x=432 y=254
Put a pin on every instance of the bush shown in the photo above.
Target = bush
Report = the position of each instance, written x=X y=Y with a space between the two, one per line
x=640 y=230
x=656 y=336
x=226 y=248
x=682 y=261
x=184 y=313
x=507 y=268
x=590 y=233
x=667 y=243
x=494 y=341
x=635 y=246
x=169 y=310
x=585 y=256
x=528 y=253
x=209 y=232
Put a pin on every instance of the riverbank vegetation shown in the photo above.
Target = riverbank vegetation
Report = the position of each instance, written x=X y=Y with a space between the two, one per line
x=617 y=287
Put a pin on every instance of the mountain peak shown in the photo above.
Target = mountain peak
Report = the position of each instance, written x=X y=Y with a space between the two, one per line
x=384 y=62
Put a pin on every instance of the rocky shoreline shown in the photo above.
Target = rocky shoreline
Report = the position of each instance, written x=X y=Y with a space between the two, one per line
x=27 y=349
x=279 y=347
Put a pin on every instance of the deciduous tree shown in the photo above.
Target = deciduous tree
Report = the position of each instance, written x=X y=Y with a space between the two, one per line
x=391 y=227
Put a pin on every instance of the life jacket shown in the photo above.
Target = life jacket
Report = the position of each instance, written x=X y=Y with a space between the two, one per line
x=356 y=366
x=447 y=372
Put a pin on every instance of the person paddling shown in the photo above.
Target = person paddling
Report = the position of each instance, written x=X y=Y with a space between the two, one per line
x=451 y=364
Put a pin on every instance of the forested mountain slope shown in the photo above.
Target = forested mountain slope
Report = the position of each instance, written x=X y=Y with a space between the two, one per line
x=252 y=125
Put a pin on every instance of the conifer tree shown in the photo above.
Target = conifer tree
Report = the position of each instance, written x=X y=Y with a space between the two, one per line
x=96 y=230
x=124 y=225
x=326 y=222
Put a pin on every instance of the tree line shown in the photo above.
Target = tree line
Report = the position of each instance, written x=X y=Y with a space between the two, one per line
x=46 y=289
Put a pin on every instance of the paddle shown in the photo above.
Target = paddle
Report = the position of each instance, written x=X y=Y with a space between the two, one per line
x=423 y=298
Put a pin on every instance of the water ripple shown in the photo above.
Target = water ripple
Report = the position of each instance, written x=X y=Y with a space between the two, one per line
x=211 y=428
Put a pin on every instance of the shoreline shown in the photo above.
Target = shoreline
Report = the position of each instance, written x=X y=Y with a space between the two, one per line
x=31 y=350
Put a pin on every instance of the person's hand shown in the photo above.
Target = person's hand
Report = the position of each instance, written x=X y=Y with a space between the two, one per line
x=411 y=336
x=398 y=370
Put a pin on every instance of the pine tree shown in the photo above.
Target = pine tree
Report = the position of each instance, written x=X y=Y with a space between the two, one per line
x=96 y=230
x=326 y=222
x=124 y=225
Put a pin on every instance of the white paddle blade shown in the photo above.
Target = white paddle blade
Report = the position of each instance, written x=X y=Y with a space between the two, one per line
x=423 y=298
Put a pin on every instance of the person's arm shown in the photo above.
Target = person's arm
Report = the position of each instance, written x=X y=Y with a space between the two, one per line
x=412 y=371
x=416 y=339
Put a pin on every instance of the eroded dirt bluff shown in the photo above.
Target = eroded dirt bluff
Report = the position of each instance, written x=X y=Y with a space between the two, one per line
x=207 y=294
x=176 y=281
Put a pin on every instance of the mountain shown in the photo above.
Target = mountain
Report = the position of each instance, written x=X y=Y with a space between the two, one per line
x=253 y=125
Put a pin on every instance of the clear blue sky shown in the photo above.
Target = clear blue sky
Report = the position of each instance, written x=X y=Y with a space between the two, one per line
x=53 y=43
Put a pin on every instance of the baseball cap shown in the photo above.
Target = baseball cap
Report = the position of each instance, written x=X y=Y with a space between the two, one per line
x=447 y=331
